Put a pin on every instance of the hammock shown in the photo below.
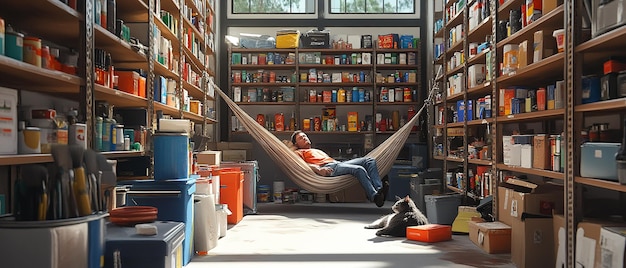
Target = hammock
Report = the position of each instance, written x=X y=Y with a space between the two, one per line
x=299 y=171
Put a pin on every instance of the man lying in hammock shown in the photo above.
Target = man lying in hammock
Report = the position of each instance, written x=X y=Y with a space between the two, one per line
x=363 y=168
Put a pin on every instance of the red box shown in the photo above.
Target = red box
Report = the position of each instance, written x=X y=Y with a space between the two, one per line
x=128 y=81
x=429 y=233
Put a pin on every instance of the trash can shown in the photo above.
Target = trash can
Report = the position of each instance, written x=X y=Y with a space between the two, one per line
x=231 y=180
x=206 y=230
x=222 y=212
x=442 y=209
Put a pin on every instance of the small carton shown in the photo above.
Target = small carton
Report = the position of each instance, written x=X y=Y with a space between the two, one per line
x=209 y=157
x=492 y=237
x=517 y=197
x=533 y=237
x=541 y=151
x=429 y=233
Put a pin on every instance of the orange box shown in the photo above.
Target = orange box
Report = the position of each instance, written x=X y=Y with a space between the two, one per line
x=429 y=233
x=231 y=192
x=142 y=87
x=613 y=66
x=326 y=96
x=128 y=81
x=353 y=121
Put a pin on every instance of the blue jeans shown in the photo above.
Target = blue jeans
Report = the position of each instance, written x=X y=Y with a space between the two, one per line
x=364 y=169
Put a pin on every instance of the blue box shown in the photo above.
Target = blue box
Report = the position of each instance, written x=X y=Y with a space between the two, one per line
x=160 y=250
x=400 y=181
x=597 y=160
x=591 y=89
x=174 y=201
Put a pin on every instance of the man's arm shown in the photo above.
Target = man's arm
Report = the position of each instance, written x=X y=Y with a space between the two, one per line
x=322 y=171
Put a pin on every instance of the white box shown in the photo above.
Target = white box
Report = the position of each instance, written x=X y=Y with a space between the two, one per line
x=527 y=156
x=613 y=244
x=507 y=144
x=8 y=139
x=516 y=155
x=476 y=74
x=355 y=40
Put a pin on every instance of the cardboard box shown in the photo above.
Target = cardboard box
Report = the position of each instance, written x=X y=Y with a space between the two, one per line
x=209 y=157
x=558 y=229
x=463 y=216
x=234 y=155
x=429 y=233
x=523 y=57
x=541 y=151
x=588 y=248
x=352 y=194
x=613 y=246
x=492 y=237
x=221 y=146
x=516 y=197
x=533 y=237
x=544 y=45
x=549 y=5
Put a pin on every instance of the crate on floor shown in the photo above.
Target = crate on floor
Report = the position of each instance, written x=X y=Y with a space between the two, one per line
x=442 y=209
x=430 y=233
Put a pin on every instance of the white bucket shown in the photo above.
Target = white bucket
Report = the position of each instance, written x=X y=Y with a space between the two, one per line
x=206 y=228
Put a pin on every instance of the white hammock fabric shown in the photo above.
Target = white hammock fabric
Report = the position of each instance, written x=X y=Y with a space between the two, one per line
x=299 y=171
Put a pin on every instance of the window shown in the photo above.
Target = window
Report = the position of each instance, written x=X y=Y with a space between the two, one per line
x=273 y=6
x=372 y=6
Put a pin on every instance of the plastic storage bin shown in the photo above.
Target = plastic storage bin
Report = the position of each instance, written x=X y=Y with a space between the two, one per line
x=75 y=242
x=125 y=248
x=598 y=160
x=206 y=229
x=442 y=209
x=173 y=199
x=250 y=178
x=231 y=180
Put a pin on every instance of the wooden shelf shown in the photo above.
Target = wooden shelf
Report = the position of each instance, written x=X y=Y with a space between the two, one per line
x=170 y=6
x=482 y=29
x=397 y=103
x=25 y=159
x=480 y=89
x=503 y=10
x=456 y=47
x=172 y=111
x=287 y=103
x=264 y=66
x=263 y=50
x=197 y=34
x=538 y=115
x=195 y=8
x=454 y=21
x=537 y=74
x=193 y=117
x=399 y=84
x=455 y=70
x=264 y=84
x=532 y=171
x=455 y=159
x=334 y=66
x=602 y=106
x=336 y=84
x=195 y=63
x=456 y=124
x=163 y=71
x=194 y=91
x=118 y=98
x=478 y=58
x=480 y=162
x=610 y=185
x=439 y=157
x=397 y=66
x=368 y=103
x=18 y=74
x=27 y=16
x=335 y=51
x=132 y=11
x=119 y=49
x=165 y=31
x=454 y=97
x=548 y=23
x=480 y=121
x=123 y=154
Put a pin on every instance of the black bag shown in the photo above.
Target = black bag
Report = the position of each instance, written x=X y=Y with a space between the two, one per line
x=315 y=39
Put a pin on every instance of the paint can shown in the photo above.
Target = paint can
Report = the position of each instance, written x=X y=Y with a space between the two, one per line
x=32 y=50
x=14 y=44
x=171 y=155
x=29 y=140
x=78 y=135
x=1 y=36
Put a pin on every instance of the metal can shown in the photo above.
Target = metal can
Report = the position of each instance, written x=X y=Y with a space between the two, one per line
x=317 y=124
x=32 y=50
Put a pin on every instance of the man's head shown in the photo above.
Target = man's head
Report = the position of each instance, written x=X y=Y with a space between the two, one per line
x=300 y=140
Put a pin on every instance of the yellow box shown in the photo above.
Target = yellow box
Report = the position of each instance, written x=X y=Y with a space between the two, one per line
x=194 y=106
x=353 y=121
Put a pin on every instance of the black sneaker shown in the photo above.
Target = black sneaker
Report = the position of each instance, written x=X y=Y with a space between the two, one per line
x=379 y=199
x=385 y=188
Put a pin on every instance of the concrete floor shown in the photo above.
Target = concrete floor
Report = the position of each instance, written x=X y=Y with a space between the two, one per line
x=332 y=235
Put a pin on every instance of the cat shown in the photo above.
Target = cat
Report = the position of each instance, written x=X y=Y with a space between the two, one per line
x=405 y=214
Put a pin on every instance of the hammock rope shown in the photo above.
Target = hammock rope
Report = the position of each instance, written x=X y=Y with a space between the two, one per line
x=299 y=171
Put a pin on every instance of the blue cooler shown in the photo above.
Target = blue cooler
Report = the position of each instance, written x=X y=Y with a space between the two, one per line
x=597 y=160
x=173 y=199
x=129 y=249
x=400 y=181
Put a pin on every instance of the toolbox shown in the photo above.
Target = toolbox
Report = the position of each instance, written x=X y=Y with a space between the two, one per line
x=125 y=248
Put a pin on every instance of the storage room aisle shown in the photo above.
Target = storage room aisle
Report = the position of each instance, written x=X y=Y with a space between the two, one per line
x=332 y=235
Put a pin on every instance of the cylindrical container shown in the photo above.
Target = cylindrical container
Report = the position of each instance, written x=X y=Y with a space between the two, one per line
x=32 y=50
x=78 y=135
x=263 y=194
x=395 y=119
x=29 y=141
x=171 y=155
x=45 y=57
x=279 y=187
x=126 y=143
x=222 y=212
x=260 y=118
x=14 y=44
x=399 y=95
x=341 y=95
x=408 y=96
x=1 y=36
x=206 y=228
x=279 y=122
x=106 y=134
x=317 y=124
x=98 y=136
